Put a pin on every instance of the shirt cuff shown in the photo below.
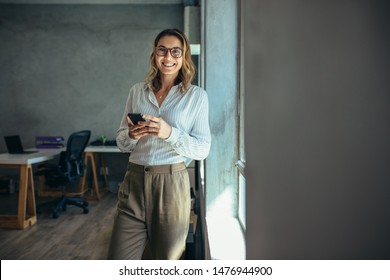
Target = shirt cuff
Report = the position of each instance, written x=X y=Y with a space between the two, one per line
x=172 y=139
x=125 y=142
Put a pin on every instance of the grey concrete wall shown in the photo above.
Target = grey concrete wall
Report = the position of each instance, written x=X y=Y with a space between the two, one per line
x=69 y=67
x=220 y=50
x=318 y=134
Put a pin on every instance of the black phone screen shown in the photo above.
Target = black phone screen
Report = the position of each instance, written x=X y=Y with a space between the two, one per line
x=135 y=118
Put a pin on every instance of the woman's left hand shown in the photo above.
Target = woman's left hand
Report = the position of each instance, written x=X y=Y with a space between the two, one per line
x=157 y=126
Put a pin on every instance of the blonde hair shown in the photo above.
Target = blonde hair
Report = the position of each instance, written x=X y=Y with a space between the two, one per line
x=187 y=71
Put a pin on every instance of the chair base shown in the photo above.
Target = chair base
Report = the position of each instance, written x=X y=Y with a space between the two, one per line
x=61 y=204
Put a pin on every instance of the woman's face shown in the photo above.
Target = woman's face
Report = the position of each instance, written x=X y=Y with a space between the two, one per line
x=169 y=56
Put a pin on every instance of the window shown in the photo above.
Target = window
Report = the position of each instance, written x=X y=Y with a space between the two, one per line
x=241 y=131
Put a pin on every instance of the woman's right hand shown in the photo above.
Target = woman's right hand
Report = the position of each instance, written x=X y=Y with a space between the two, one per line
x=136 y=131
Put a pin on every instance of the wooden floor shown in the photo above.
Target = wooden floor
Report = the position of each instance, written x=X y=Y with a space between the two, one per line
x=72 y=236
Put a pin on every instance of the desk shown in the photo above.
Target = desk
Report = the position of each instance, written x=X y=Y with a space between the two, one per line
x=89 y=156
x=26 y=199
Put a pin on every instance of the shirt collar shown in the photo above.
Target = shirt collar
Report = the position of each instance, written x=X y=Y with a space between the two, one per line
x=147 y=86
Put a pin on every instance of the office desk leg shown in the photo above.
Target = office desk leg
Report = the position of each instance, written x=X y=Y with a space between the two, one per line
x=90 y=156
x=26 y=194
x=103 y=165
x=26 y=201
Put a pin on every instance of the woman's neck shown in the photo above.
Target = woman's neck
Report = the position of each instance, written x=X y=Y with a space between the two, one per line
x=167 y=82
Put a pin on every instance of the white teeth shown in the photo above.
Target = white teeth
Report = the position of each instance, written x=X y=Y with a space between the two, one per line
x=168 y=65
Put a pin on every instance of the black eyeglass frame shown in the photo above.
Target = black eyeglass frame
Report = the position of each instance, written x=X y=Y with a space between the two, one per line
x=168 y=49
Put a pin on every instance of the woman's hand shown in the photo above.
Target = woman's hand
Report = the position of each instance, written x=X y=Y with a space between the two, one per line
x=156 y=126
x=136 y=131
x=152 y=126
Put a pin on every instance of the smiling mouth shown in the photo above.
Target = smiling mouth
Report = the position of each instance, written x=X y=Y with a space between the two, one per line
x=168 y=64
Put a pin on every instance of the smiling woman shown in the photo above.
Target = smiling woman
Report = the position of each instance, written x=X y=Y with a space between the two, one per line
x=171 y=47
x=154 y=198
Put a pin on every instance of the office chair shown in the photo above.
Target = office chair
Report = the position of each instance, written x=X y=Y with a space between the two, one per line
x=69 y=169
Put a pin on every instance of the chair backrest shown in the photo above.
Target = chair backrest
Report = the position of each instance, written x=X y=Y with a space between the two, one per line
x=73 y=158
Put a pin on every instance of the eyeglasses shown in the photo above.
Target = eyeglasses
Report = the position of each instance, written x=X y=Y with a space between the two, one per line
x=175 y=52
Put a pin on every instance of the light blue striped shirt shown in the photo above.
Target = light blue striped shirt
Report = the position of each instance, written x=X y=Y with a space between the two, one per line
x=188 y=115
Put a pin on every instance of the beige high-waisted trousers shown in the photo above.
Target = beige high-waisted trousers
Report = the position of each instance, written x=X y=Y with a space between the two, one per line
x=153 y=208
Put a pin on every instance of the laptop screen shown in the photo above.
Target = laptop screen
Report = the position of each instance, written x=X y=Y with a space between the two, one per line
x=14 y=145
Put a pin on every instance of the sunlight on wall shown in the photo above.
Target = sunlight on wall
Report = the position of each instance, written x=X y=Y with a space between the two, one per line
x=226 y=238
x=222 y=206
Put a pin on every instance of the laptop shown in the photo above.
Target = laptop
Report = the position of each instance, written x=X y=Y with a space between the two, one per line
x=14 y=145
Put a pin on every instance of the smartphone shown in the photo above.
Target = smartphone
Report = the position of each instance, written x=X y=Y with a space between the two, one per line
x=135 y=118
